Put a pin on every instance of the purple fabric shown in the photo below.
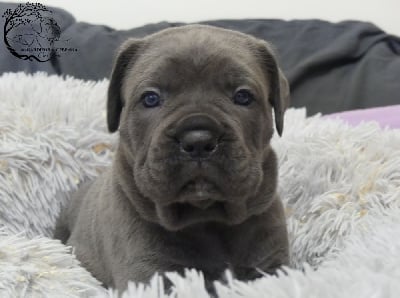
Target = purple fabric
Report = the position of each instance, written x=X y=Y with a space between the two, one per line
x=385 y=116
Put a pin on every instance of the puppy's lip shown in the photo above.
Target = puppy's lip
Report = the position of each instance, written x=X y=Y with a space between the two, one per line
x=200 y=187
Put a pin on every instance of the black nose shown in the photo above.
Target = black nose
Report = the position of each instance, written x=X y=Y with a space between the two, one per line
x=198 y=143
x=198 y=135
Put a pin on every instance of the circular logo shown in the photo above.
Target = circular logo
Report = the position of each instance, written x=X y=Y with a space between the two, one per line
x=31 y=33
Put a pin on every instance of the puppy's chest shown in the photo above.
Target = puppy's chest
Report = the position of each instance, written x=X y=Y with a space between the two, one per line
x=203 y=248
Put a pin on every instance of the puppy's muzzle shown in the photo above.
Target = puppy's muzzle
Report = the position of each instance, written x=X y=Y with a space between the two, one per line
x=198 y=136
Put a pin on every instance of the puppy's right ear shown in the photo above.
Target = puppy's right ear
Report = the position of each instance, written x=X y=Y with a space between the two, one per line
x=125 y=59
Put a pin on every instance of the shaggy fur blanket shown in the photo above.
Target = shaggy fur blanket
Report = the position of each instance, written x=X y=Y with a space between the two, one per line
x=340 y=186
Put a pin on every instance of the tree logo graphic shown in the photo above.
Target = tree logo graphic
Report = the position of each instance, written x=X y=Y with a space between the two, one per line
x=31 y=33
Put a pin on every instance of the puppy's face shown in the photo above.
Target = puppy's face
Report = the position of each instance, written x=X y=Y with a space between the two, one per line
x=194 y=108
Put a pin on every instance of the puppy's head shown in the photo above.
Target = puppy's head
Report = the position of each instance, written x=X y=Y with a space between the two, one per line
x=194 y=109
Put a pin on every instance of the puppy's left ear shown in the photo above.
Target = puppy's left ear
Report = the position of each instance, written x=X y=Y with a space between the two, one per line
x=279 y=96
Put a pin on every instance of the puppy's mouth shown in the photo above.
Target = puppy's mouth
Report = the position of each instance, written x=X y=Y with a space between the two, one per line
x=198 y=193
x=196 y=190
x=199 y=200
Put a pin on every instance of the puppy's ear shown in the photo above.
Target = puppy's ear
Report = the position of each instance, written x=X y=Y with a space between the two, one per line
x=279 y=96
x=125 y=58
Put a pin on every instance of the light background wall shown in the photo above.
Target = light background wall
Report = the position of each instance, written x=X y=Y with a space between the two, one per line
x=124 y=14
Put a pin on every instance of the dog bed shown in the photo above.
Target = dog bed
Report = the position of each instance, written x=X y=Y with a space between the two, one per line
x=340 y=186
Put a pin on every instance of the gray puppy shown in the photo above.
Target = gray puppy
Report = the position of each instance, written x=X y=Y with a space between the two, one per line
x=193 y=181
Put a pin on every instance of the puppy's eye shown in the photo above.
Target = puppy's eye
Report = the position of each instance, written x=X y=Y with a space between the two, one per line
x=150 y=99
x=243 y=97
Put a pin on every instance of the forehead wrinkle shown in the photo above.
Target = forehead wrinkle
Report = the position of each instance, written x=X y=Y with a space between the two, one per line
x=174 y=68
x=166 y=71
x=214 y=67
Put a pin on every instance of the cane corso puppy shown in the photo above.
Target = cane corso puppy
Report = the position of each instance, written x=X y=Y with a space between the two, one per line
x=193 y=181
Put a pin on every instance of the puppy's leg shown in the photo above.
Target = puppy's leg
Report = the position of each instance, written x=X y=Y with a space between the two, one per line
x=69 y=213
x=62 y=231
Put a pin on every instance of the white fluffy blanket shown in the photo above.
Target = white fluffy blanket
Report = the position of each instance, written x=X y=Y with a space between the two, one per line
x=340 y=186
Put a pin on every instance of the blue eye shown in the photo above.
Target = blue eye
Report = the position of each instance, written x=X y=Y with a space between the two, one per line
x=150 y=99
x=243 y=97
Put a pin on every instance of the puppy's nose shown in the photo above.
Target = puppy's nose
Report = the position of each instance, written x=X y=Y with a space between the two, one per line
x=198 y=135
x=198 y=143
